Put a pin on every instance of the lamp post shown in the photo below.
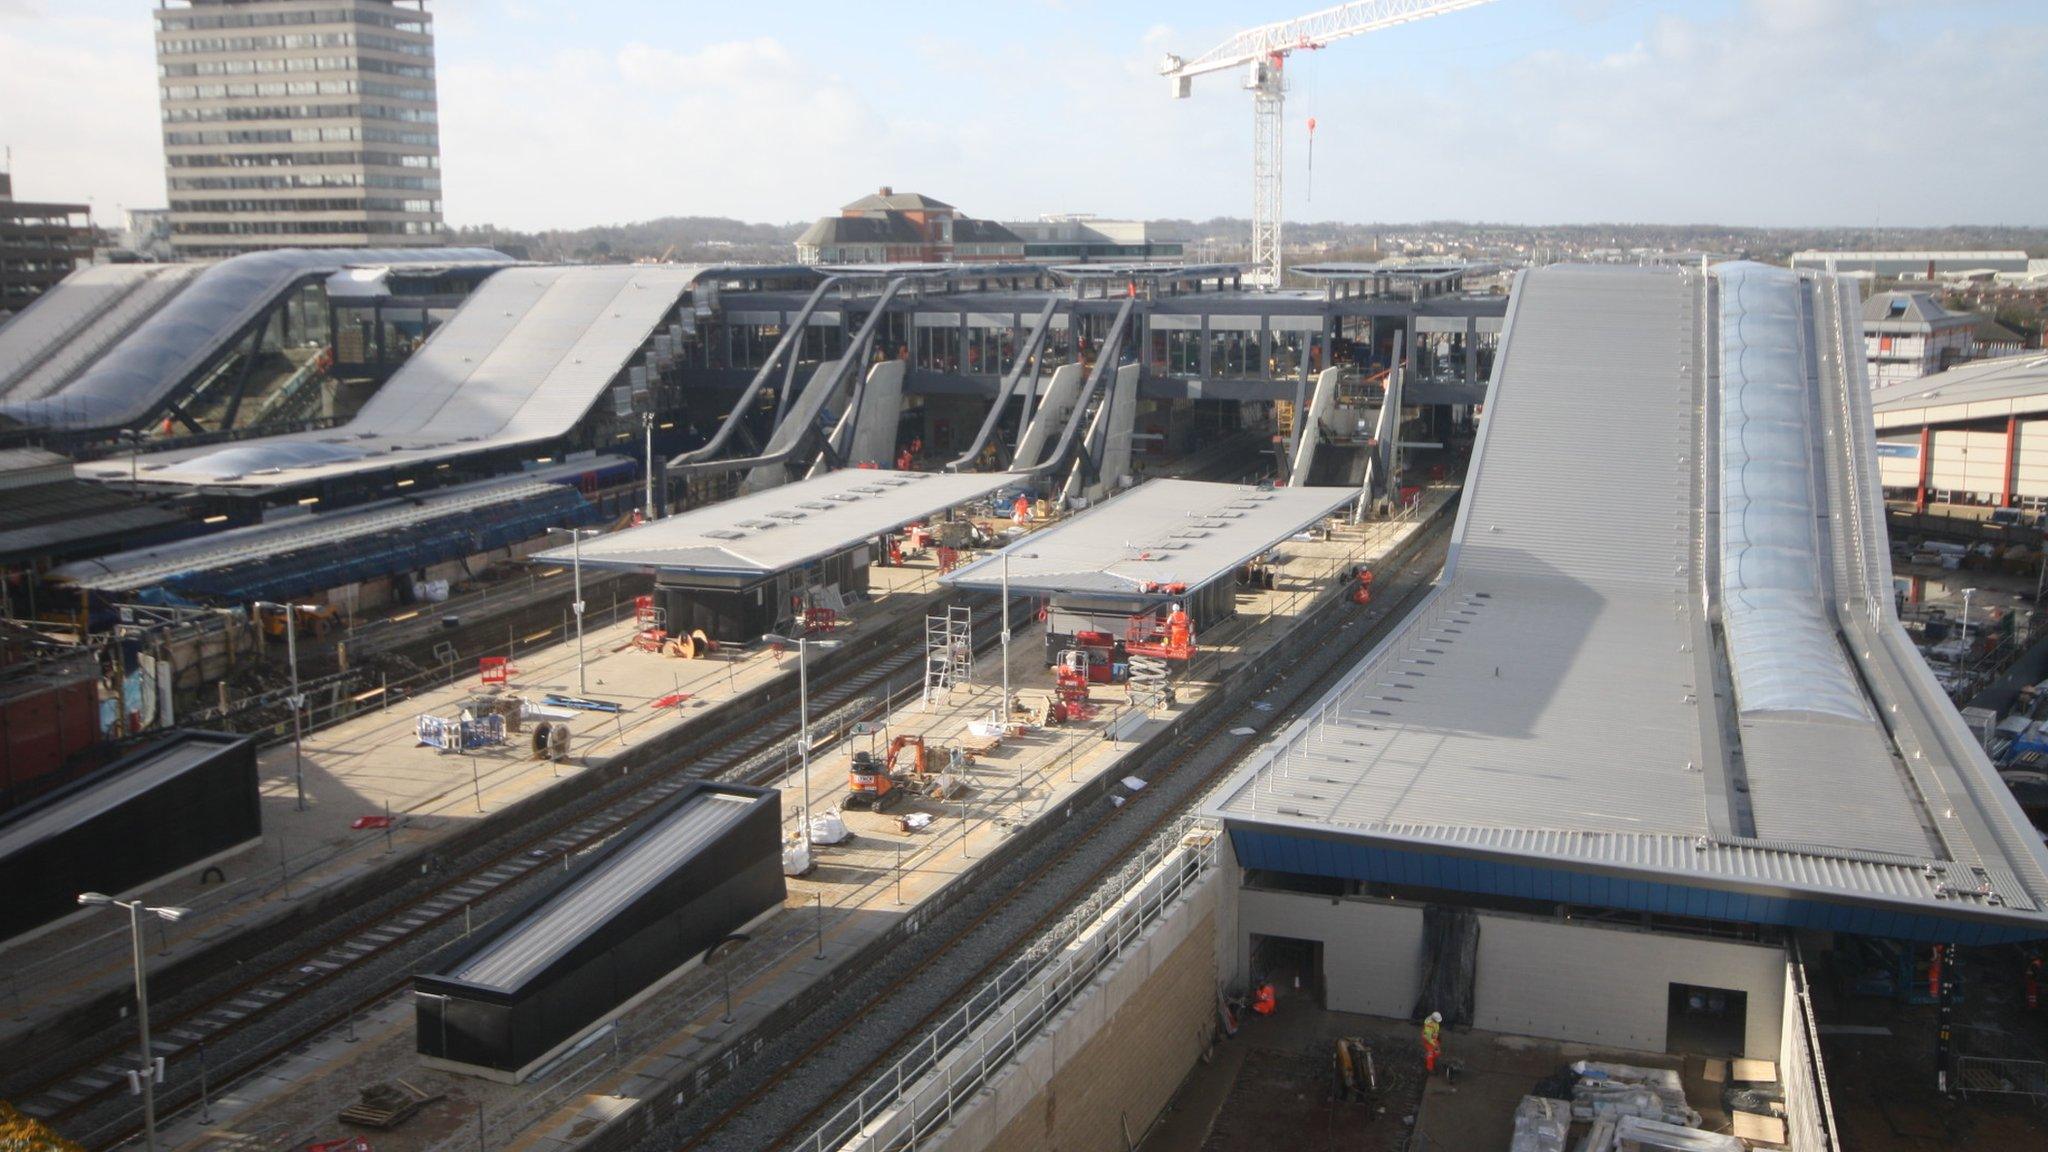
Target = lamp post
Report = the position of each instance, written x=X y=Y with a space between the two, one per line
x=647 y=426
x=803 y=713
x=576 y=562
x=1969 y=657
x=719 y=955
x=1003 y=718
x=297 y=700
x=147 y=1073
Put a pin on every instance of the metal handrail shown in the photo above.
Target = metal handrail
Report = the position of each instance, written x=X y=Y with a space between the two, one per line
x=910 y=1100
x=1105 y=368
x=1027 y=356
x=787 y=345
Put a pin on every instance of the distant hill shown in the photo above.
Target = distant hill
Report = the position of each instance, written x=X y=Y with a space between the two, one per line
x=691 y=239
x=709 y=238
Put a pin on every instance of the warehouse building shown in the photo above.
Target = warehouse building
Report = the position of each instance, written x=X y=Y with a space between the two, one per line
x=1973 y=435
x=704 y=864
x=1528 y=809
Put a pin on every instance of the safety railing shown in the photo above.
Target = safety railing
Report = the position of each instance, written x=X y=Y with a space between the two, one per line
x=923 y=1091
x=1852 y=471
x=1809 y=1112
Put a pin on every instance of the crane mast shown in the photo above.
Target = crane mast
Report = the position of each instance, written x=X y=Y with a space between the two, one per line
x=1263 y=52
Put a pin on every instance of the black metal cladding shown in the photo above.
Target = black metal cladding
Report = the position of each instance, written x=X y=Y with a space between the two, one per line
x=154 y=830
x=724 y=884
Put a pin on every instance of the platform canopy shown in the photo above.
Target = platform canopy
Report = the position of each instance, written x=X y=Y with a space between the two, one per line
x=1163 y=532
x=786 y=527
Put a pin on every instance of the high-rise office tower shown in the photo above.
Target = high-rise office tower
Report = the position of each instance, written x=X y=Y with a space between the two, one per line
x=299 y=123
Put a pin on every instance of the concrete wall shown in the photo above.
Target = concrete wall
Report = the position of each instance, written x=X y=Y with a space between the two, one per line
x=1571 y=981
x=1372 y=949
x=1562 y=980
x=1109 y=1064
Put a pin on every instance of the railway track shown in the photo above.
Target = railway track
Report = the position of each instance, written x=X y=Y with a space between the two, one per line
x=868 y=1025
x=321 y=984
x=311 y=986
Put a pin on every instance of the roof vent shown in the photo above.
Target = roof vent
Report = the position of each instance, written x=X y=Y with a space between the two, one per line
x=724 y=534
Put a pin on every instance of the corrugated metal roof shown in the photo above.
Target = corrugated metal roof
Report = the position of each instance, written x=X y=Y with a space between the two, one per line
x=145 y=567
x=570 y=915
x=1545 y=700
x=2023 y=377
x=781 y=528
x=1160 y=532
x=520 y=362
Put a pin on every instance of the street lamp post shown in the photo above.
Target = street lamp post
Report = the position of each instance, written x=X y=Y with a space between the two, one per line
x=1969 y=656
x=719 y=955
x=1004 y=718
x=647 y=426
x=803 y=713
x=576 y=566
x=297 y=700
x=147 y=1073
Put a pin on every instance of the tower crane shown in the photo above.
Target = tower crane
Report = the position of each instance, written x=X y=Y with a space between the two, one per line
x=1263 y=52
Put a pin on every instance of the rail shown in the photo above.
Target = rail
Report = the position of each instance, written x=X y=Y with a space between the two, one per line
x=1809 y=1110
x=1853 y=485
x=922 y=1092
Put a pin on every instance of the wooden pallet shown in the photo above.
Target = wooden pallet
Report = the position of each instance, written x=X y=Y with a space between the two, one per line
x=387 y=1105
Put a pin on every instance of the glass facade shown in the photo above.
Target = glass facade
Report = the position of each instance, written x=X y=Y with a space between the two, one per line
x=255 y=94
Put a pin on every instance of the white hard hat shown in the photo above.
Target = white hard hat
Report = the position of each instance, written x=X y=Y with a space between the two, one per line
x=1436 y=1017
x=1176 y=607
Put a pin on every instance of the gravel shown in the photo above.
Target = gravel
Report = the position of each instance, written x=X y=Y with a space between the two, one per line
x=881 y=1007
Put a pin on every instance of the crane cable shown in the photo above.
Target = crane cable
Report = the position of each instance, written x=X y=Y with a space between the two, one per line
x=1309 y=184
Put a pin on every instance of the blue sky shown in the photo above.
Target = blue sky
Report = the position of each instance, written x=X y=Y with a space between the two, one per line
x=563 y=114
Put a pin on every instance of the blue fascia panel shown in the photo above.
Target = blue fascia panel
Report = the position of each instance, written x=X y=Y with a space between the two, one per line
x=1320 y=856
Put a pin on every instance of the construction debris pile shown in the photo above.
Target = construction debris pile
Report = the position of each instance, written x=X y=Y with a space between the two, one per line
x=1622 y=1108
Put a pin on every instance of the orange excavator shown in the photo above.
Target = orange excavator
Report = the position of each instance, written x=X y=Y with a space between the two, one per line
x=876 y=786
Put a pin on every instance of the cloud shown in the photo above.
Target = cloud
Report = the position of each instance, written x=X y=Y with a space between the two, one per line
x=1766 y=111
x=1802 y=112
x=80 y=90
x=583 y=136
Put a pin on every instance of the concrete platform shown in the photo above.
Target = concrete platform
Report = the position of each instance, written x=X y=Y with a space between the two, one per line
x=372 y=764
x=857 y=892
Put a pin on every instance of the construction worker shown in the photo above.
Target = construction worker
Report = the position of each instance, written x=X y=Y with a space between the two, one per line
x=1265 y=1001
x=1177 y=631
x=1362 y=594
x=1020 y=512
x=1432 y=1041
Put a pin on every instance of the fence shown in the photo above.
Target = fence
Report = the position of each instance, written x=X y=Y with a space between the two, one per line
x=1809 y=1112
x=920 y=1093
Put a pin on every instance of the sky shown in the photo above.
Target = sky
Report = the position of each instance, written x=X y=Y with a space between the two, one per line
x=565 y=113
